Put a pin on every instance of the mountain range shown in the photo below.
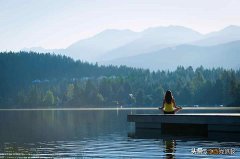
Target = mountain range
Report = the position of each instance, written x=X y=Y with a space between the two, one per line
x=159 y=48
x=223 y=55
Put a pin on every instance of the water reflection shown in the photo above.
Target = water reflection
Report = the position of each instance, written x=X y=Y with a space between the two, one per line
x=90 y=134
x=168 y=143
x=55 y=125
x=169 y=148
x=49 y=125
x=12 y=151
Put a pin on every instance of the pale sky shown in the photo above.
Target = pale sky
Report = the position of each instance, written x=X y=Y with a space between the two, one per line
x=59 y=23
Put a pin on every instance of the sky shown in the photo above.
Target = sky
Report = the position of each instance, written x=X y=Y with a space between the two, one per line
x=59 y=23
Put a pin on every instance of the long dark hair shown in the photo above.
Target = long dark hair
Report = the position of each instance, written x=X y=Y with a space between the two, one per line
x=168 y=97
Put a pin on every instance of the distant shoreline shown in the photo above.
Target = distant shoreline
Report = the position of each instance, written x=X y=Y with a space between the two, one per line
x=117 y=108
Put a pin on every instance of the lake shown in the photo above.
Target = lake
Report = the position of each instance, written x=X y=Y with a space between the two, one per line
x=97 y=133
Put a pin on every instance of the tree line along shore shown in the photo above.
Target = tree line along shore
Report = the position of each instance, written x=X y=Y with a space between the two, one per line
x=33 y=80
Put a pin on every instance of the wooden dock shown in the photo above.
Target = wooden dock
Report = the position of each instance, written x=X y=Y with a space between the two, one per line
x=200 y=124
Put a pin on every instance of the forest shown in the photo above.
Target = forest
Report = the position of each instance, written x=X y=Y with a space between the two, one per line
x=37 y=80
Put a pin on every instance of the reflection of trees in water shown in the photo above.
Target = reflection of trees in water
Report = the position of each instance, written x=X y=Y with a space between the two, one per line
x=11 y=151
x=31 y=126
x=169 y=148
x=37 y=150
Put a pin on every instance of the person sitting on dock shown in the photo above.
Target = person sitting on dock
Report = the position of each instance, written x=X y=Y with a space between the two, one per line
x=169 y=105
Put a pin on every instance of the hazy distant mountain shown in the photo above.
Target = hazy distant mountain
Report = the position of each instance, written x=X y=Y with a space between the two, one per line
x=119 y=47
x=154 y=39
x=113 y=43
x=223 y=55
x=91 y=48
x=228 y=34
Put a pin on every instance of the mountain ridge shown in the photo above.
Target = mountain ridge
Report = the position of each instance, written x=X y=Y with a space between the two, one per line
x=113 y=44
x=185 y=55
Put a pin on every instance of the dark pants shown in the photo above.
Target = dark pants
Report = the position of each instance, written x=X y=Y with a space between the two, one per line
x=169 y=112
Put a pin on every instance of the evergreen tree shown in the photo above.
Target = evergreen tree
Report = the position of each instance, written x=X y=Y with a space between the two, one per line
x=49 y=98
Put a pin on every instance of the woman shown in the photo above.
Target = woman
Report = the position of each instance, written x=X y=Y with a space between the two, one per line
x=169 y=105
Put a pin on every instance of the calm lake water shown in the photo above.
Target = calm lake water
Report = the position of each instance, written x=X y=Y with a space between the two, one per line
x=95 y=133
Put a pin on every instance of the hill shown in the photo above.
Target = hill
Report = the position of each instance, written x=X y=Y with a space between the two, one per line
x=226 y=35
x=222 y=55
x=154 y=39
